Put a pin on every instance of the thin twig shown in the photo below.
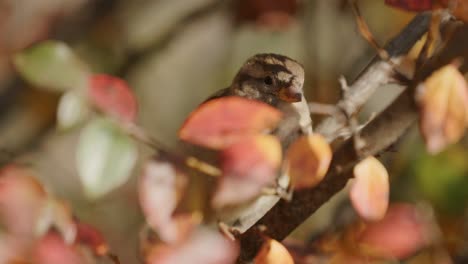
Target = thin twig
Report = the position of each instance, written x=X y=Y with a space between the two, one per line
x=140 y=135
x=366 y=33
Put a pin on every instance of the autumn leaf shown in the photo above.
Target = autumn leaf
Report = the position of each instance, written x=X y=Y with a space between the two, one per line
x=273 y=252
x=112 y=96
x=202 y=246
x=403 y=231
x=51 y=249
x=161 y=187
x=221 y=122
x=256 y=158
x=443 y=100
x=22 y=199
x=369 y=192
x=308 y=159
x=247 y=166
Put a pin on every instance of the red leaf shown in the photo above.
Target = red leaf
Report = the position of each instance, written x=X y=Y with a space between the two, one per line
x=221 y=122
x=403 y=231
x=370 y=189
x=112 y=96
x=308 y=160
x=51 y=249
x=88 y=235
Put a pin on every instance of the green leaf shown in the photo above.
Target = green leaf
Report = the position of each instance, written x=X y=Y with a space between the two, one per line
x=52 y=65
x=72 y=109
x=105 y=157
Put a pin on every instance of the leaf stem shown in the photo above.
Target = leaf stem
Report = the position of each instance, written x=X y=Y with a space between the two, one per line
x=140 y=135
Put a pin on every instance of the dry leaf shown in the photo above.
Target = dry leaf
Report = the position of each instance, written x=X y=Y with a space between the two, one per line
x=443 y=99
x=369 y=192
x=221 y=122
x=308 y=160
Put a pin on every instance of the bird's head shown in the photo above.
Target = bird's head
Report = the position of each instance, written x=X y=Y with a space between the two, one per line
x=270 y=78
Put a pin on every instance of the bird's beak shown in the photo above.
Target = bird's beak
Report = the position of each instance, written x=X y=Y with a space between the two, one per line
x=291 y=94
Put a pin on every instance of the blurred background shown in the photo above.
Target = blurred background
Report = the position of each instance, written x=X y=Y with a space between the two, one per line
x=176 y=53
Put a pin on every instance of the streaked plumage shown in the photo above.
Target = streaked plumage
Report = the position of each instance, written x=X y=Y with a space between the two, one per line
x=276 y=80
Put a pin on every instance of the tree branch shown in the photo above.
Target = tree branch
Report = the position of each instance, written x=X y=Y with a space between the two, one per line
x=379 y=134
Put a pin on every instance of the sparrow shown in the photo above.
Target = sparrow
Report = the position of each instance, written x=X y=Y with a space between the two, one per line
x=278 y=81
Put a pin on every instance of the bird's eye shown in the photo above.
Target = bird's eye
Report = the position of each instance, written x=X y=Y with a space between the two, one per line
x=268 y=80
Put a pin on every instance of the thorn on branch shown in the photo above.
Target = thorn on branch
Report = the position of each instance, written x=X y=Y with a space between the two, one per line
x=343 y=85
x=228 y=231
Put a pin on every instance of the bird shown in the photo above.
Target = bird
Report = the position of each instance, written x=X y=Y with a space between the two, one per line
x=278 y=81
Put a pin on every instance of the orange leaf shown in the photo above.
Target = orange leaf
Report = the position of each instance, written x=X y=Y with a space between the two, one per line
x=255 y=158
x=248 y=166
x=443 y=99
x=221 y=122
x=402 y=232
x=370 y=189
x=112 y=95
x=308 y=160
x=273 y=252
